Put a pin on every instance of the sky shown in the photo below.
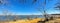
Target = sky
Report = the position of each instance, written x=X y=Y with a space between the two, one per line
x=28 y=8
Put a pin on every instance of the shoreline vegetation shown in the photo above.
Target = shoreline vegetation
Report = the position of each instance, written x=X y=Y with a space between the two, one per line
x=24 y=21
x=54 y=19
x=13 y=7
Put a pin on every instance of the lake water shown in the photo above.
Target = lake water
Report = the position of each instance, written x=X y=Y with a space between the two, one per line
x=20 y=17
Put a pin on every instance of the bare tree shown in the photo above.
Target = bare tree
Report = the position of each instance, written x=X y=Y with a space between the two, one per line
x=44 y=11
x=44 y=8
x=0 y=1
x=4 y=9
x=57 y=5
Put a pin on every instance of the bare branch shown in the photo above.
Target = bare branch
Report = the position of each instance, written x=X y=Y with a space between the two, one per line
x=34 y=1
x=57 y=5
x=22 y=1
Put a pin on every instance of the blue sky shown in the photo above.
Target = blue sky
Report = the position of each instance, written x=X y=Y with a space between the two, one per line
x=28 y=8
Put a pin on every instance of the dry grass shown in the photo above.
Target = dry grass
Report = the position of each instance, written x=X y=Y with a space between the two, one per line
x=54 y=21
x=25 y=21
x=33 y=21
